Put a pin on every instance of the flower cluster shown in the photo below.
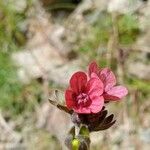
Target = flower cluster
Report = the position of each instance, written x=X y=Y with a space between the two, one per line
x=88 y=92
x=85 y=102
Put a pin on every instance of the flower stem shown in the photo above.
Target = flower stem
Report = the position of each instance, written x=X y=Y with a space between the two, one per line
x=76 y=130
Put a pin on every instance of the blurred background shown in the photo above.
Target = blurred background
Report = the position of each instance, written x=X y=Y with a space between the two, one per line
x=42 y=42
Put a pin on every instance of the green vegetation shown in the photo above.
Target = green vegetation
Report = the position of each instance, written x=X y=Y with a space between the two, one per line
x=13 y=95
x=10 y=32
x=128 y=29
x=12 y=92
x=141 y=85
x=99 y=34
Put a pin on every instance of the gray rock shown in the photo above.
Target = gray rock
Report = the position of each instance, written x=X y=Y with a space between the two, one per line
x=139 y=70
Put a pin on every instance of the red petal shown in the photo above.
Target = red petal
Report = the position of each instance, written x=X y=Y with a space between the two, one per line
x=108 y=78
x=95 y=107
x=95 y=87
x=97 y=104
x=69 y=99
x=93 y=68
x=78 y=82
x=116 y=93
x=82 y=110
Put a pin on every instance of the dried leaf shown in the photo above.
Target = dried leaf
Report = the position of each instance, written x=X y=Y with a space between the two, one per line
x=104 y=127
x=61 y=107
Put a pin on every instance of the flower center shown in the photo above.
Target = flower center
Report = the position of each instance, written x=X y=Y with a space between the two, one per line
x=82 y=99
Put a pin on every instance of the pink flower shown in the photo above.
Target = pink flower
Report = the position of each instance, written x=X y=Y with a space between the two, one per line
x=111 y=91
x=84 y=96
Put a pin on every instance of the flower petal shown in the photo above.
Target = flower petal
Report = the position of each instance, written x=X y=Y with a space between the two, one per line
x=78 y=82
x=116 y=93
x=93 y=68
x=97 y=104
x=69 y=99
x=108 y=78
x=82 y=110
x=94 y=87
x=94 y=75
